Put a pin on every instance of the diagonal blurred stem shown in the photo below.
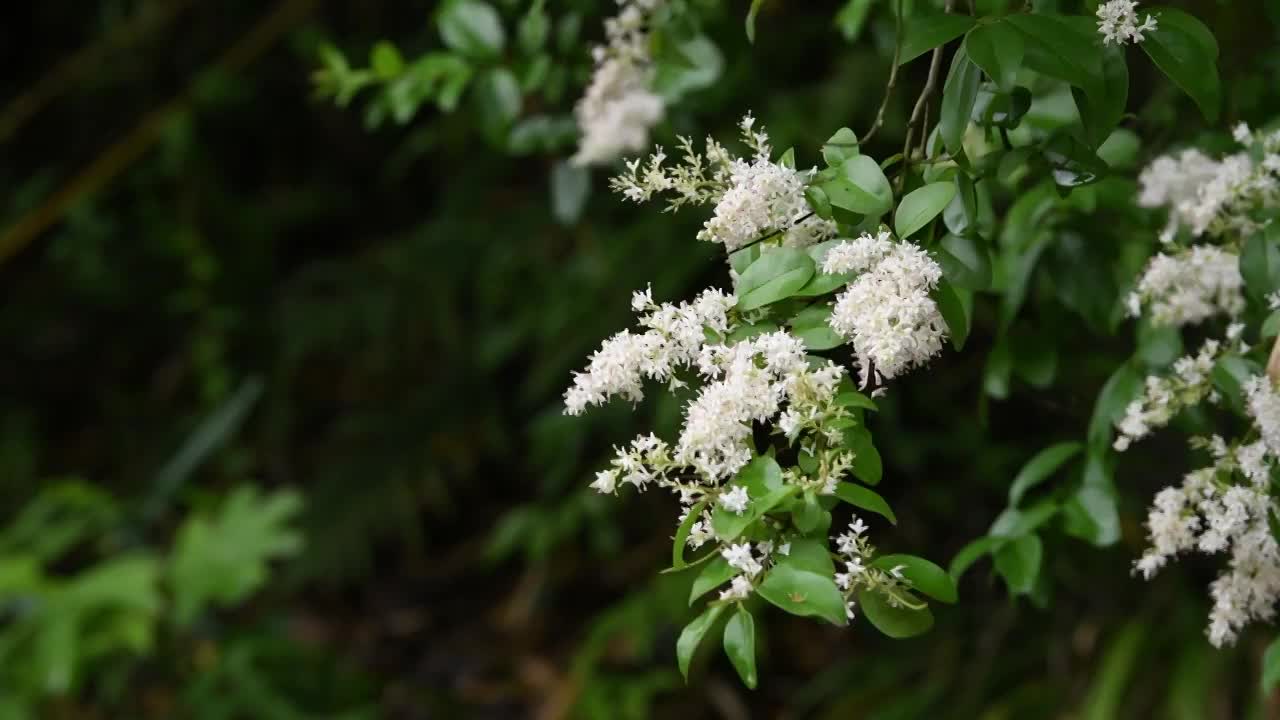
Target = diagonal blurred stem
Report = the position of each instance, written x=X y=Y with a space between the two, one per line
x=119 y=156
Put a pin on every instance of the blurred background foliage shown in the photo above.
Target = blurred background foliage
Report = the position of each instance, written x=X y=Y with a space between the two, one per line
x=280 y=430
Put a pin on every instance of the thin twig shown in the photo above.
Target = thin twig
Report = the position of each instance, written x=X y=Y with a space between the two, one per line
x=893 y=75
x=772 y=233
x=917 y=112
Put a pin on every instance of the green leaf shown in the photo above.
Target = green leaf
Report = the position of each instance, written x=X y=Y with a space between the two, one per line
x=803 y=593
x=997 y=48
x=1062 y=49
x=852 y=18
x=776 y=275
x=896 y=622
x=498 y=94
x=1041 y=467
x=1101 y=112
x=1091 y=515
x=1014 y=523
x=1271 y=326
x=223 y=557
x=861 y=497
x=740 y=645
x=924 y=576
x=812 y=327
x=953 y=312
x=1260 y=264
x=761 y=476
x=714 y=574
x=958 y=96
x=1186 y=51
x=922 y=34
x=969 y=554
x=385 y=60
x=1229 y=376
x=751 y=19
x=1073 y=163
x=1271 y=667
x=840 y=147
x=1116 y=394
x=471 y=27
x=729 y=526
x=860 y=187
x=855 y=399
x=691 y=637
x=866 y=459
x=534 y=28
x=682 y=534
x=1018 y=562
x=809 y=554
x=922 y=205
x=807 y=516
x=965 y=262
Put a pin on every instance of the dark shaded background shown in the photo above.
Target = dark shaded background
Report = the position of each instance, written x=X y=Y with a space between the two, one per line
x=182 y=220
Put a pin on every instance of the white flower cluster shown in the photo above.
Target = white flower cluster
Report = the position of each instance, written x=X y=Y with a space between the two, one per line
x=1211 y=513
x=1189 y=286
x=747 y=383
x=1264 y=407
x=886 y=310
x=1166 y=396
x=673 y=340
x=753 y=197
x=1214 y=196
x=855 y=553
x=620 y=107
x=1118 y=22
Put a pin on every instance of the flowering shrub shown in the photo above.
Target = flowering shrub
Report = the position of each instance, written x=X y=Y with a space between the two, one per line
x=1017 y=187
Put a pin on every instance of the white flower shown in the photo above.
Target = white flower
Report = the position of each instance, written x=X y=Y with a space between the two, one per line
x=739 y=589
x=1192 y=285
x=1211 y=196
x=848 y=609
x=1210 y=516
x=755 y=198
x=765 y=197
x=739 y=556
x=857 y=527
x=606 y=481
x=673 y=340
x=1164 y=397
x=736 y=500
x=700 y=533
x=1118 y=22
x=1264 y=408
x=620 y=107
x=886 y=311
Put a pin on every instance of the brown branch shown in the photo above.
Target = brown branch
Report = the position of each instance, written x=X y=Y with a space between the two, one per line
x=893 y=75
x=86 y=59
x=120 y=155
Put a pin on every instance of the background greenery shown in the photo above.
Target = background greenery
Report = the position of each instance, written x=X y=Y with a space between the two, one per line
x=280 y=428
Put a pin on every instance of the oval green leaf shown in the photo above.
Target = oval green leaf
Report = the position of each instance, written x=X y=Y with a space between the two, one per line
x=924 y=576
x=692 y=636
x=803 y=593
x=921 y=206
x=1039 y=468
x=740 y=645
x=896 y=622
x=861 y=497
x=774 y=276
